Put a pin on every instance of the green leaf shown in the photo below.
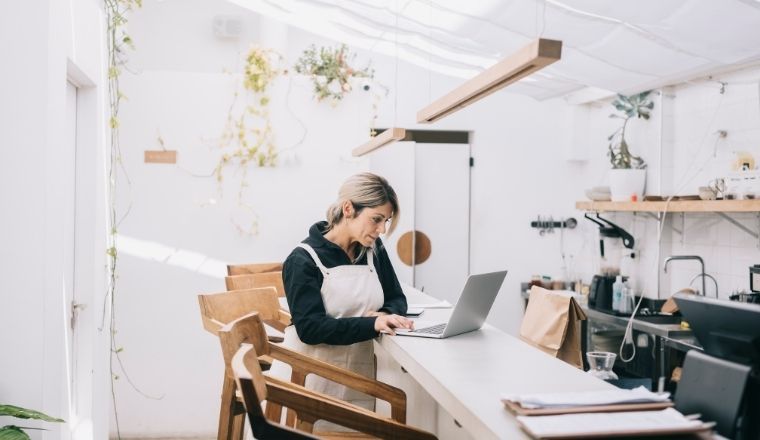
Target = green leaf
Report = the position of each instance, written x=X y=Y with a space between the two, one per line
x=24 y=413
x=11 y=432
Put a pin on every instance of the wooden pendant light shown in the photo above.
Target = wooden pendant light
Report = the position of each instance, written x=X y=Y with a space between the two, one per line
x=392 y=134
x=531 y=58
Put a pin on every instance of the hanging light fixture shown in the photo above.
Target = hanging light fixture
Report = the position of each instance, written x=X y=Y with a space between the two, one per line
x=392 y=134
x=531 y=58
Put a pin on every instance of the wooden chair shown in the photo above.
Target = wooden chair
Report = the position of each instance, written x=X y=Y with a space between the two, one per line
x=250 y=281
x=309 y=405
x=217 y=310
x=246 y=269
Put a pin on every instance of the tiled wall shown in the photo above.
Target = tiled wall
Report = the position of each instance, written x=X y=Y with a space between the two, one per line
x=693 y=154
x=684 y=151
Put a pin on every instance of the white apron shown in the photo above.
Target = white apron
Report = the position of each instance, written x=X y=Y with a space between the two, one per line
x=347 y=291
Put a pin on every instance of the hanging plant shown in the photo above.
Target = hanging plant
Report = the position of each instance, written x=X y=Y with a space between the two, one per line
x=248 y=138
x=330 y=71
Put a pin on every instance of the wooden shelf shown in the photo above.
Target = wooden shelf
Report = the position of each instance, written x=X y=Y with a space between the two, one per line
x=673 y=206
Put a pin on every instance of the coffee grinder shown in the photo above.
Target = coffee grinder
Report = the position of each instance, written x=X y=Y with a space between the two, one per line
x=600 y=293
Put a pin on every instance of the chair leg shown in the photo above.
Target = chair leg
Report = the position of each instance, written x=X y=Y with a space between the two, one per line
x=238 y=426
x=227 y=411
x=299 y=378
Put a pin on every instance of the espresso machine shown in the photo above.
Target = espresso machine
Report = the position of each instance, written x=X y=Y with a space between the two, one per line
x=600 y=293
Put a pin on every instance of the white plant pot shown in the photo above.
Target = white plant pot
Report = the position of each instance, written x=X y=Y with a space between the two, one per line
x=624 y=183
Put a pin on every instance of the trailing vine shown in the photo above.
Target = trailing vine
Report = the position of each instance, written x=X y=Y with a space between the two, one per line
x=248 y=137
x=330 y=71
x=118 y=42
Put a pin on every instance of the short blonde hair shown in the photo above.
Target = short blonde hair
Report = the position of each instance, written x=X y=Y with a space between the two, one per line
x=364 y=190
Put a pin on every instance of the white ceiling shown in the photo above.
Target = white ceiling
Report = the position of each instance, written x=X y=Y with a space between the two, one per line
x=608 y=45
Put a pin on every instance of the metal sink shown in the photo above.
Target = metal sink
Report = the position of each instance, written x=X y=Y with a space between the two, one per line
x=660 y=319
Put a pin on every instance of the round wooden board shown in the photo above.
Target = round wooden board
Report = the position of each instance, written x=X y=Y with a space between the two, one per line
x=422 y=246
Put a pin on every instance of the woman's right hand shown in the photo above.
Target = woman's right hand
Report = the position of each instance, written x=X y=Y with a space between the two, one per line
x=387 y=323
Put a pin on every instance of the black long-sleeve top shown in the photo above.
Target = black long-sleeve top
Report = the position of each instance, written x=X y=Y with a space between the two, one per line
x=303 y=281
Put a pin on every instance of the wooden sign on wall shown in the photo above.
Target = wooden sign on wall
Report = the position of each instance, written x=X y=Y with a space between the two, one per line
x=160 y=156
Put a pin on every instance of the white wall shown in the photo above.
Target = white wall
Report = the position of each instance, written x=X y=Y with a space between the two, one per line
x=531 y=158
x=60 y=40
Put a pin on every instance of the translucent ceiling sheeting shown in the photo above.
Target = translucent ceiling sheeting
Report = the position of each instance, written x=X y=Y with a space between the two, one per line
x=618 y=46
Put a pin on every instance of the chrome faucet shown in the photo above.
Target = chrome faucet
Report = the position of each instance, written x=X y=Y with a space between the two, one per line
x=688 y=257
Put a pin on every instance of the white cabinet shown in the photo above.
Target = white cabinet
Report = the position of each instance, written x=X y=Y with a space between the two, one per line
x=422 y=410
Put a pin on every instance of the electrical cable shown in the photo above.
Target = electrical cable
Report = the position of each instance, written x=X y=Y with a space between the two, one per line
x=686 y=179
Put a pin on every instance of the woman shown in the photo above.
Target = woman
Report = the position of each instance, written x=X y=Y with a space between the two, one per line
x=341 y=288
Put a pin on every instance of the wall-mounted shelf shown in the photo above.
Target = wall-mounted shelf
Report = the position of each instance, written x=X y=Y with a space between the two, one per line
x=673 y=206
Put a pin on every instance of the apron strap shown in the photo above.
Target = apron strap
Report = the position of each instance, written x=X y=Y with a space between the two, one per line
x=371 y=259
x=314 y=257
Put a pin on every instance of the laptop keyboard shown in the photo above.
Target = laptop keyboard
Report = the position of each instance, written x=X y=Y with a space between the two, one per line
x=434 y=330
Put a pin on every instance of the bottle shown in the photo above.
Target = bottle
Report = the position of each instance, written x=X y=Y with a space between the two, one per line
x=626 y=303
x=617 y=293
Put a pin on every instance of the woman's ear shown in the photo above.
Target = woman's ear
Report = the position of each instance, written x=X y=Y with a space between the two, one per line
x=348 y=209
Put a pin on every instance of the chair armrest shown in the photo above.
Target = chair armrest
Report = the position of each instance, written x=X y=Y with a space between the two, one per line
x=274 y=334
x=307 y=365
x=312 y=406
x=285 y=317
x=275 y=324
x=212 y=325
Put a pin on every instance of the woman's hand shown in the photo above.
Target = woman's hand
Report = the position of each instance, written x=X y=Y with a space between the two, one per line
x=387 y=323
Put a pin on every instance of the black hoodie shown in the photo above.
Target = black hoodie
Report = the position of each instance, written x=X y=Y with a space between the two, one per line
x=303 y=281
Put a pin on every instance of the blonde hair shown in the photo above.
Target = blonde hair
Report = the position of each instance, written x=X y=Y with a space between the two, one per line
x=364 y=190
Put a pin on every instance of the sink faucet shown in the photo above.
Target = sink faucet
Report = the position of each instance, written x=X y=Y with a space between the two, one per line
x=688 y=257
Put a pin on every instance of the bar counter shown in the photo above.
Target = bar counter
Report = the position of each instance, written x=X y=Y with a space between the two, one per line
x=454 y=385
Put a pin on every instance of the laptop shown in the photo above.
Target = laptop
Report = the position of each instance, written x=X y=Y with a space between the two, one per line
x=470 y=311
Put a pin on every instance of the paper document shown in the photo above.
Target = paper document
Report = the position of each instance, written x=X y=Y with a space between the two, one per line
x=416 y=298
x=589 y=424
x=587 y=398
x=443 y=304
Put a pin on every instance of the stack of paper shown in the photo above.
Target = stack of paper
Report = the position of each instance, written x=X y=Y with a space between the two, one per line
x=587 y=398
x=416 y=298
x=589 y=425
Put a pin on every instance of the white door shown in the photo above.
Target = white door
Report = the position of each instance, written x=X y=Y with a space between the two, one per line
x=395 y=162
x=433 y=185
x=442 y=213
x=68 y=220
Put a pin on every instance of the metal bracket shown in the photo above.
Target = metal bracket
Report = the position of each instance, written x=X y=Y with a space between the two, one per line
x=736 y=223
x=658 y=217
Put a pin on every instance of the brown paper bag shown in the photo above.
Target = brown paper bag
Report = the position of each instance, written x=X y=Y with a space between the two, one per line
x=552 y=323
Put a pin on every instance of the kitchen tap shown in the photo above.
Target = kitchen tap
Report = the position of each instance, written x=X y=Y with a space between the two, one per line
x=687 y=257
x=708 y=276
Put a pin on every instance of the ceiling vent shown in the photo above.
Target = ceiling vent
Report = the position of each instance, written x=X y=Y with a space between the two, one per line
x=228 y=26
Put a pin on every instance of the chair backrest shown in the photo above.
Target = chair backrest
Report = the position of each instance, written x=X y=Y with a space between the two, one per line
x=250 y=281
x=244 y=362
x=219 y=309
x=245 y=269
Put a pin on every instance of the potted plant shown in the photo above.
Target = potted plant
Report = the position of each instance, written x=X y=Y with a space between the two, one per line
x=628 y=174
x=13 y=432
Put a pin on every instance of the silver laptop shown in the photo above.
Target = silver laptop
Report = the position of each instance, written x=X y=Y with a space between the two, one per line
x=469 y=313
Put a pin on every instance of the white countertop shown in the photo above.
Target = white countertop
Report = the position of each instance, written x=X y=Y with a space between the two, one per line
x=467 y=374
